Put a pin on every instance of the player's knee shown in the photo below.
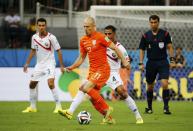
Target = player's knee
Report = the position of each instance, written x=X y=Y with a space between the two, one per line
x=51 y=85
x=165 y=86
x=86 y=87
x=150 y=87
x=82 y=89
x=32 y=85
x=123 y=95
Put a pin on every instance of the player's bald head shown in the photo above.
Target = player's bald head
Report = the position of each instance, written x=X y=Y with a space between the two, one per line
x=89 y=20
x=89 y=25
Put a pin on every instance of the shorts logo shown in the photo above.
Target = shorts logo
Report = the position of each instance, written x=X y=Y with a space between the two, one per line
x=161 y=45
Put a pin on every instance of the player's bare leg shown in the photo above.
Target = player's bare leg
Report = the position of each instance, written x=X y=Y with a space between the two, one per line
x=130 y=103
x=149 y=110
x=33 y=97
x=68 y=113
x=166 y=96
x=55 y=95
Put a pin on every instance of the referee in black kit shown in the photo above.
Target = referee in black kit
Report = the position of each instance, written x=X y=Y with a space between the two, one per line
x=156 y=41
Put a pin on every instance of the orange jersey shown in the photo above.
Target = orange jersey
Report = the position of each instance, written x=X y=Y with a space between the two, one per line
x=95 y=46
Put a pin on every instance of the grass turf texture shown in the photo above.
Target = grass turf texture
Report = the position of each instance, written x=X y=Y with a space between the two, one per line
x=11 y=118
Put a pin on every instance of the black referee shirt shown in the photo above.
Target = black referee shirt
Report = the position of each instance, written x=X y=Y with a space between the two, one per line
x=156 y=45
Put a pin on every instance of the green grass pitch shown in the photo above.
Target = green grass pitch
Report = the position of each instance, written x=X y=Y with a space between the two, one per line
x=11 y=118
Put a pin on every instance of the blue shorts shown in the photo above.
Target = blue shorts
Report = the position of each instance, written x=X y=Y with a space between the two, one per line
x=160 y=67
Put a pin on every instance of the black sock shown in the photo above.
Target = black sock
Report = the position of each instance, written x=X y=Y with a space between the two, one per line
x=149 y=98
x=166 y=97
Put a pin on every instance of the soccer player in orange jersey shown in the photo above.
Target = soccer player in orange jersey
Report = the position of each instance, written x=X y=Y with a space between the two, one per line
x=95 y=45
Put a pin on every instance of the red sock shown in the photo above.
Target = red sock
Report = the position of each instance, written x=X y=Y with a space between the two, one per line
x=97 y=100
x=97 y=107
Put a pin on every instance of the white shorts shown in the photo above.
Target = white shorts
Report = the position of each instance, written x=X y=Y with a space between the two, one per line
x=114 y=80
x=43 y=71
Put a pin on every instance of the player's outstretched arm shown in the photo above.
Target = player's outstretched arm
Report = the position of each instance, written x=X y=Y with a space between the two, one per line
x=32 y=53
x=78 y=61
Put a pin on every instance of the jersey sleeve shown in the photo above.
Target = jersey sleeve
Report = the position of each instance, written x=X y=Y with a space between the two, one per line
x=54 y=42
x=32 y=43
x=105 y=40
x=142 y=43
x=123 y=51
x=168 y=38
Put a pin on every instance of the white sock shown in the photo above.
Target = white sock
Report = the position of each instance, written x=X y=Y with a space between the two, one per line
x=76 y=101
x=131 y=104
x=33 y=98
x=56 y=98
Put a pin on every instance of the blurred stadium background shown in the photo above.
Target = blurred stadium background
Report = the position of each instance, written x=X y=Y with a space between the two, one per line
x=65 y=18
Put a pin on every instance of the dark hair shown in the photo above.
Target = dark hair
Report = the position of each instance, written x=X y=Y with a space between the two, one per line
x=41 y=20
x=154 y=17
x=178 y=47
x=110 y=27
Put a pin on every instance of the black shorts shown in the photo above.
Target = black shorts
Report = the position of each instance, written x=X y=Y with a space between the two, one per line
x=160 y=67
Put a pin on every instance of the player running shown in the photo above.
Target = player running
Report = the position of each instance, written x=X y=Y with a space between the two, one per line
x=95 y=45
x=114 y=80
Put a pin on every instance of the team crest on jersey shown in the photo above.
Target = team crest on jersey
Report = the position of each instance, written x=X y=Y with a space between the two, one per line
x=161 y=45
x=94 y=42
x=107 y=39
x=46 y=44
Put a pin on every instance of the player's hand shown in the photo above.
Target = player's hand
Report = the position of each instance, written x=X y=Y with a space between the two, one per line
x=141 y=67
x=25 y=68
x=179 y=66
x=67 y=70
x=172 y=65
x=63 y=70
x=126 y=64
x=70 y=68
x=172 y=62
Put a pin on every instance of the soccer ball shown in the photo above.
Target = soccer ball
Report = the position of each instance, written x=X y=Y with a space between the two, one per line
x=84 y=118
